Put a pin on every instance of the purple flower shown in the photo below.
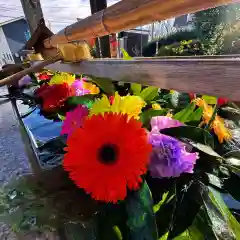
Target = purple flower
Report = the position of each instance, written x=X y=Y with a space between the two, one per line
x=169 y=157
x=24 y=81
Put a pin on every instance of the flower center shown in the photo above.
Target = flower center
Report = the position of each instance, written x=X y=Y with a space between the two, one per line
x=108 y=153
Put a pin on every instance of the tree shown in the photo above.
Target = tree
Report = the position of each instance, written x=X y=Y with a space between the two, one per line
x=213 y=25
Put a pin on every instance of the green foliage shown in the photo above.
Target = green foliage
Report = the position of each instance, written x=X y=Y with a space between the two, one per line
x=149 y=93
x=194 y=134
x=87 y=100
x=105 y=84
x=215 y=28
x=136 y=88
x=146 y=116
x=183 y=116
x=184 y=48
x=209 y=99
x=141 y=220
x=165 y=199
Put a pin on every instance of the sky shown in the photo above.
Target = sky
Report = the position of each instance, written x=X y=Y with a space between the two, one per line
x=57 y=13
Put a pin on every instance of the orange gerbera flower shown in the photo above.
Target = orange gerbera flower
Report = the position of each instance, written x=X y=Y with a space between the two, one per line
x=218 y=123
x=105 y=160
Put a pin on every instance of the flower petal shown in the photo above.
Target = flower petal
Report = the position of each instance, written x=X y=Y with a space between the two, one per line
x=162 y=122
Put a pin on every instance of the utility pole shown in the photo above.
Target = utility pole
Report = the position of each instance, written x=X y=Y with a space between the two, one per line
x=33 y=13
x=96 y=6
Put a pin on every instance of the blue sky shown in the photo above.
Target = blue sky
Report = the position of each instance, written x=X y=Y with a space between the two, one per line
x=57 y=13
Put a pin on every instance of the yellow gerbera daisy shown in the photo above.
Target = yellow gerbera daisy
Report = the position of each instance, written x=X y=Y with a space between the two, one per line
x=218 y=123
x=130 y=105
x=63 y=77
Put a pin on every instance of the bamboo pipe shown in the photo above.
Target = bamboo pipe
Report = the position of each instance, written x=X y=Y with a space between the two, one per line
x=67 y=52
x=17 y=76
x=128 y=14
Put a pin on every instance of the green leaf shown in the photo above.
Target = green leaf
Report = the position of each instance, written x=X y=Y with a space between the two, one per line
x=118 y=232
x=164 y=237
x=195 y=134
x=231 y=185
x=222 y=221
x=149 y=93
x=191 y=233
x=105 y=84
x=61 y=117
x=184 y=114
x=136 y=88
x=148 y=114
x=141 y=219
x=125 y=54
x=210 y=99
x=206 y=149
x=83 y=100
x=196 y=115
x=197 y=230
x=233 y=224
x=157 y=206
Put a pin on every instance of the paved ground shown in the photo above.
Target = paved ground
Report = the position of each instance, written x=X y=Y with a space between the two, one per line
x=13 y=160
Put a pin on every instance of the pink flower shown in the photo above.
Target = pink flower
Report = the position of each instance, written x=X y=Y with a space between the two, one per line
x=77 y=88
x=162 y=122
x=74 y=119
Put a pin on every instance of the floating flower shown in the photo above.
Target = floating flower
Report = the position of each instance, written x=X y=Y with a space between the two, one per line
x=53 y=96
x=222 y=101
x=107 y=155
x=169 y=157
x=78 y=89
x=156 y=106
x=81 y=87
x=44 y=76
x=24 y=81
x=60 y=78
x=192 y=96
x=217 y=124
x=74 y=119
x=130 y=105
x=92 y=88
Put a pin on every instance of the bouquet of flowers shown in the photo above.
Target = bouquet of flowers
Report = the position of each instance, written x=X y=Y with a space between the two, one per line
x=149 y=163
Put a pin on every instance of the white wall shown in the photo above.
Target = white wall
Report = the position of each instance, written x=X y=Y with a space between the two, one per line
x=5 y=53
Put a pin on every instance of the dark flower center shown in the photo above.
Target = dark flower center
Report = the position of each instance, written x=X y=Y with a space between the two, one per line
x=108 y=153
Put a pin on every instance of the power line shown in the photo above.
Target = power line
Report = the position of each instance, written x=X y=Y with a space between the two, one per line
x=9 y=16
x=50 y=7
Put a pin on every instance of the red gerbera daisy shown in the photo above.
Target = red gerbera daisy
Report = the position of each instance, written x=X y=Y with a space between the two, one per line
x=53 y=96
x=107 y=155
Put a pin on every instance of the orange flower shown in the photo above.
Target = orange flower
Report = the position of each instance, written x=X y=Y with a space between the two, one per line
x=218 y=123
x=107 y=160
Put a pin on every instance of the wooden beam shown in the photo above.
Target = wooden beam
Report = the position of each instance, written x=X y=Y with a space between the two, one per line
x=129 y=14
x=215 y=76
x=103 y=45
x=33 y=12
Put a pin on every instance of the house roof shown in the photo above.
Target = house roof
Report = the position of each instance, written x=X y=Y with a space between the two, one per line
x=11 y=20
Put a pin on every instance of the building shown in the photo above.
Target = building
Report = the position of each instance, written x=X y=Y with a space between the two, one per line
x=133 y=41
x=183 y=22
x=13 y=36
